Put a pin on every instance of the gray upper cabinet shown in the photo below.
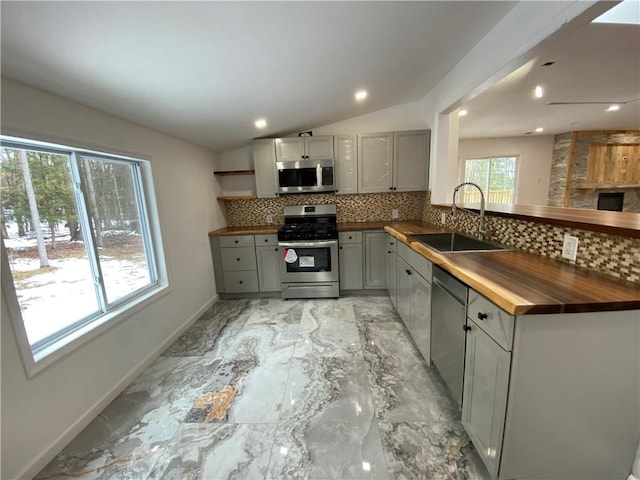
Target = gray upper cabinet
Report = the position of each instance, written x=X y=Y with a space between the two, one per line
x=393 y=161
x=299 y=148
x=411 y=160
x=345 y=148
x=264 y=164
x=375 y=156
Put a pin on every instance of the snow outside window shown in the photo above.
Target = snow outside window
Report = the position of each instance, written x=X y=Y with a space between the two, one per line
x=77 y=238
x=496 y=176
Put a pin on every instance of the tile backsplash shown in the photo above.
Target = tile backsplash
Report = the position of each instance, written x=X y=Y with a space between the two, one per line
x=371 y=207
x=610 y=255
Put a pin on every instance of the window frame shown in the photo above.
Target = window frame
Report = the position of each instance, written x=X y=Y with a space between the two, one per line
x=463 y=171
x=49 y=350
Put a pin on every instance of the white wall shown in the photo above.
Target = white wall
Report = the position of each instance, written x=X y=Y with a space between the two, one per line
x=534 y=165
x=43 y=413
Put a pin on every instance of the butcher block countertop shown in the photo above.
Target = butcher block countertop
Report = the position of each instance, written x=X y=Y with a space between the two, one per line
x=518 y=282
x=523 y=283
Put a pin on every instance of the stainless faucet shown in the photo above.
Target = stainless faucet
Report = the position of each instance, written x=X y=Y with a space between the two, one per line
x=481 y=230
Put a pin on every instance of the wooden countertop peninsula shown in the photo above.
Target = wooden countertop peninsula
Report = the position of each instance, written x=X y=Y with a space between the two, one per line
x=518 y=282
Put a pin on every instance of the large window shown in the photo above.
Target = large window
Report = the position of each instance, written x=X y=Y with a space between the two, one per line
x=496 y=176
x=77 y=235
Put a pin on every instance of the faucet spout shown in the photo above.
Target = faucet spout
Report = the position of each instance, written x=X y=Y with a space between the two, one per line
x=481 y=230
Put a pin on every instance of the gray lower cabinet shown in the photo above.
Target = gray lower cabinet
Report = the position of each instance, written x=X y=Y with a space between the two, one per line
x=552 y=395
x=414 y=298
x=391 y=262
x=350 y=260
x=238 y=262
x=375 y=248
x=268 y=257
x=486 y=384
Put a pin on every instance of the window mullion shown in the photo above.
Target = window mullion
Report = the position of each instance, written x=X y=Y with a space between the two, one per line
x=89 y=238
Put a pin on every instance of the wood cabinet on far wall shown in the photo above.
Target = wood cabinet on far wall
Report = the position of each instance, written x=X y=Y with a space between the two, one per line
x=613 y=164
x=304 y=148
x=393 y=161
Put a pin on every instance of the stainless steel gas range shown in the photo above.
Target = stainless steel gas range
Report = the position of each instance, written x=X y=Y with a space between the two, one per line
x=308 y=241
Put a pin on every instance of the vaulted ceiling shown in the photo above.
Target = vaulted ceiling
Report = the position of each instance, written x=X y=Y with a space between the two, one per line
x=204 y=71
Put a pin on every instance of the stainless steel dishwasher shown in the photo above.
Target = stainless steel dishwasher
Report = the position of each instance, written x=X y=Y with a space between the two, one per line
x=448 y=329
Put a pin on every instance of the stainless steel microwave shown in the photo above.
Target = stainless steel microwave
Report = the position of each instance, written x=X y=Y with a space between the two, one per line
x=306 y=176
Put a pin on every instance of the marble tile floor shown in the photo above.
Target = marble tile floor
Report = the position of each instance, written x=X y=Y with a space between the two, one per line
x=274 y=389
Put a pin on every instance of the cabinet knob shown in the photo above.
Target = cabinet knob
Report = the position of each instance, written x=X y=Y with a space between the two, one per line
x=276 y=249
x=482 y=316
x=340 y=248
x=390 y=188
x=237 y=259
x=388 y=251
x=350 y=237
x=408 y=271
x=266 y=239
x=236 y=241
x=240 y=281
x=466 y=328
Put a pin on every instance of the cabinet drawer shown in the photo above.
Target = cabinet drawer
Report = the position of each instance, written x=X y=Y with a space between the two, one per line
x=240 y=282
x=236 y=259
x=266 y=240
x=349 y=237
x=237 y=241
x=494 y=321
x=415 y=260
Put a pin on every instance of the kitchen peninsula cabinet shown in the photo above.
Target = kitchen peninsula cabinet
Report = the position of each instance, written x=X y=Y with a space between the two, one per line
x=391 y=264
x=414 y=276
x=350 y=257
x=304 y=148
x=264 y=164
x=552 y=395
x=393 y=161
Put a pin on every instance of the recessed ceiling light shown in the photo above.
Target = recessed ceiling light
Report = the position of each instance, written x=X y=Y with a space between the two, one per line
x=539 y=91
x=462 y=113
x=539 y=130
x=261 y=123
x=613 y=108
x=361 y=95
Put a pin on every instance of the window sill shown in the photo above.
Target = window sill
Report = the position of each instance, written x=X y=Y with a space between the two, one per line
x=55 y=352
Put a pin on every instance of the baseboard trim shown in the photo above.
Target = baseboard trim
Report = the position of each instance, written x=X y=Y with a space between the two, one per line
x=84 y=420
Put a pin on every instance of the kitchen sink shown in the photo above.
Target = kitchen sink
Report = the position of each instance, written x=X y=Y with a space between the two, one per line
x=454 y=242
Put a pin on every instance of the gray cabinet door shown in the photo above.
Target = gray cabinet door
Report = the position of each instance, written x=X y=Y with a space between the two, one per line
x=350 y=258
x=375 y=248
x=346 y=171
x=289 y=149
x=405 y=281
x=268 y=258
x=318 y=148
x=391 y=270
x=420 y=308
x=264 y=164
x=375 y=162
x=484 y=402
x=411 y=160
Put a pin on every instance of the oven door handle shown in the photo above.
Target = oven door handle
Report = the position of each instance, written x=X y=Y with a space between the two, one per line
x=315 y=243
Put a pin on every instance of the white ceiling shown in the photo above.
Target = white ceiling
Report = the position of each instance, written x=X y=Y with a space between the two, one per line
x=596 y=63
x=204 y=71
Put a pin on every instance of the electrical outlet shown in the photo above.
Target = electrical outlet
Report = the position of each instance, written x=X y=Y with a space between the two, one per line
x=269 y=218
x=394 y=213
x=443 y=219
x=570 y=247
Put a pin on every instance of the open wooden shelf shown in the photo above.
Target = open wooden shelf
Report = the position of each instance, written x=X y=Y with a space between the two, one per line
x=237 y=197
x=224 y=173
x=603 y=185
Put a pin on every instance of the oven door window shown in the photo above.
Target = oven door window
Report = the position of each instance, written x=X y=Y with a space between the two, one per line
x=310 y=259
